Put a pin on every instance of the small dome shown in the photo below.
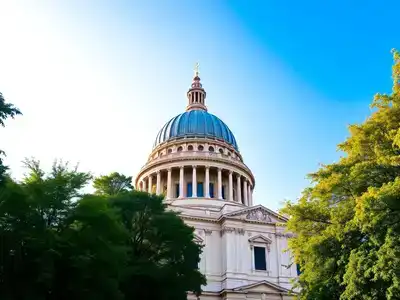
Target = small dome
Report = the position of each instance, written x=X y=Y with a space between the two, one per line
x=195 y=123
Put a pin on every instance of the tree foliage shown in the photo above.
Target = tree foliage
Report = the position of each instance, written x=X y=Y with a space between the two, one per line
x=57 y=243
x=7 y=110
x=347 y=224
x=112 y=184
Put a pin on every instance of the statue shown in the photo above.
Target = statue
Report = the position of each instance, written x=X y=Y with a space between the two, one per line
x=196 y=69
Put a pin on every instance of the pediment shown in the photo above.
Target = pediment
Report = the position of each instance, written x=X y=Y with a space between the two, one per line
x=261 y=239
x=256 y=213
x=262 y=287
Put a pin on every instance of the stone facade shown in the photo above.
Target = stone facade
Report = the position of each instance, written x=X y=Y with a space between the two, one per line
x=203 y=177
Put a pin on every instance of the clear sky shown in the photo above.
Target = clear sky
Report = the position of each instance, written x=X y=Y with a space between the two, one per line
x=97 y=79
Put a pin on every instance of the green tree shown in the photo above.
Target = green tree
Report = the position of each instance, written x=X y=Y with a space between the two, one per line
x=112 y=184
x=57 y=243
x=163 y=256
x=347 y=224
x=7 y=110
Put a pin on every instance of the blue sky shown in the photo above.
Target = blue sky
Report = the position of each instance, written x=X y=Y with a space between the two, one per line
x=96 y=80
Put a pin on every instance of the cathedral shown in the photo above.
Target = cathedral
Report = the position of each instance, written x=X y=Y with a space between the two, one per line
x=196 y=164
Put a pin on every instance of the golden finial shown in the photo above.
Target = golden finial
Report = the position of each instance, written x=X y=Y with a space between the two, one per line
x=196 y=69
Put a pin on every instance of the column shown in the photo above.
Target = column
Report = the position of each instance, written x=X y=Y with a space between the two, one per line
x=230 y=186
x=219 y=183
x=245 y=193
x=144 y=185
x=207 y=194
x=169 y=187
x=249 y=195
x=181 y=174
x=239 y=189
x=194 y=182
x=150 y=184
x=158 y=187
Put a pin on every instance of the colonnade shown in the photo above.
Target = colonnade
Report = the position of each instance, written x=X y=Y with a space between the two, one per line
x=243 y=187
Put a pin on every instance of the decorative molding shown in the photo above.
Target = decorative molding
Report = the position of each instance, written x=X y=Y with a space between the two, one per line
x=285 y=235
x=251 y=215
x=240 y=231
x=260 y=239
x=259 y=215
x=208 y=231
x=226 y=229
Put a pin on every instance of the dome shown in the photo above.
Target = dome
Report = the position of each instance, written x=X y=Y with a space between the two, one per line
x=195 y=123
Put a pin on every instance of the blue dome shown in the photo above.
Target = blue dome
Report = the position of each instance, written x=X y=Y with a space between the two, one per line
x=195 y=123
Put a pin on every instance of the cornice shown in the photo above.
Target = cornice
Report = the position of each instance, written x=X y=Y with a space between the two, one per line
x=198 y=218
x=221 y=220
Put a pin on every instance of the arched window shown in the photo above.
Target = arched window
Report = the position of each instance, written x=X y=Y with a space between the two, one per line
x=190 y=147
x=180 y=148
x=169 y=151
x=211 y=149
x=221 y=150
x=200 y=148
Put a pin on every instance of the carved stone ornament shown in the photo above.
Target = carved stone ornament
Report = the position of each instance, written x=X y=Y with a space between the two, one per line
x=285 y=235
x=263 y=296
x=208 y=231
x=227 y=229
x=258 y=215
x=240 y=231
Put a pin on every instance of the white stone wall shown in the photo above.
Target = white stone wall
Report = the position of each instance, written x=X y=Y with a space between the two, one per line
x=227 y=254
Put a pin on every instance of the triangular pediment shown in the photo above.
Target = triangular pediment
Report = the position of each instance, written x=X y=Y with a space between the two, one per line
x=256 y=213
x=260 y=239
x=262 y=287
